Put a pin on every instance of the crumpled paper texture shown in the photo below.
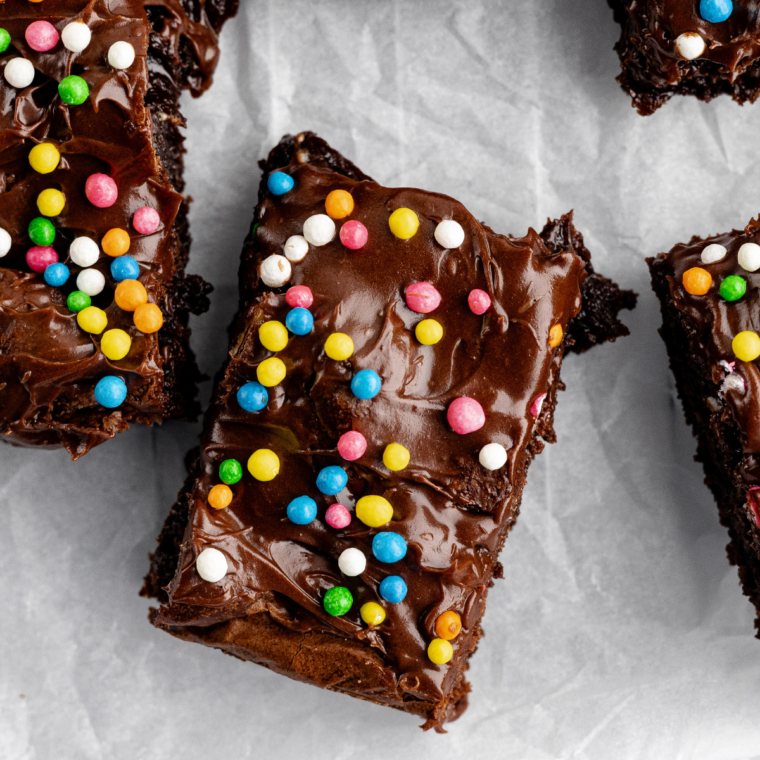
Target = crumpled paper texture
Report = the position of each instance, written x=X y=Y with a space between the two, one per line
x=620 y=630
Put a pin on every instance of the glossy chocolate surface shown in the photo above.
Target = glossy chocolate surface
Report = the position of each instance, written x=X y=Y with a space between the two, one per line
x=453 y=514
x=48 y=365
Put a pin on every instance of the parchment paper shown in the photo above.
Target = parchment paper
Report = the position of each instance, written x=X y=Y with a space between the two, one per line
x=620 y=630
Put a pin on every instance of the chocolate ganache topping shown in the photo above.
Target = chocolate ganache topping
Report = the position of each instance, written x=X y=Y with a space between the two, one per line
x=669 y=46
x=451 y=512
x=717 y=321
x=49 y=365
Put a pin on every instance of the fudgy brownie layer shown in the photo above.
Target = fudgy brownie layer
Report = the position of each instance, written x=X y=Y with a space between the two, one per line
x=652 y=69
x=47 y=369
x=270 y=627
x=719 y=437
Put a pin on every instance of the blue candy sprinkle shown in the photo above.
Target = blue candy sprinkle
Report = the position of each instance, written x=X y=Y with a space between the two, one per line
x=393 y=589
x=110 y=391
x=332 y=480
x=302 y=510
x=299 y=321
x=56 y=275
x=366 y=384
x=715 y=11
x=253 y=397
x=124 y=268
x=388 y=547
x=280 y=183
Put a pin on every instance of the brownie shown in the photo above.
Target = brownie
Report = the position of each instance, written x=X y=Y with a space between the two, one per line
x=668 y=47
x=283 y=602
x=128 y=129
x=719 y=389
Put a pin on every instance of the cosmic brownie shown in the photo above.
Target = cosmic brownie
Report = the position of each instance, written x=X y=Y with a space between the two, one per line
x=688 y=47
x=391 y=376
x=94 y=299
x=708 y=291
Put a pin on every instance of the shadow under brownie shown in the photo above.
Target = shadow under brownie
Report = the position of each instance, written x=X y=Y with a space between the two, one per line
x=363 y=597
x=127 y=129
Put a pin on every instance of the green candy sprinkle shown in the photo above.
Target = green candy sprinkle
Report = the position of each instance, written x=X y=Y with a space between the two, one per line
x=230 y=471
x=338 y=601
x=73 y=90
x=733 y=287
x=78 y=301
x=5 y=40
x=41 y=231
x=253 y=229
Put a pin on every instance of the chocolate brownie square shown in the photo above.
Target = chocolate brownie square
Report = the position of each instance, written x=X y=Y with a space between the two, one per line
x=394 y=368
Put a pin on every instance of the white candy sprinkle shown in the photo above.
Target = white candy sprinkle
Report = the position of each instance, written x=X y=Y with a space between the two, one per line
x=275 y=270
x=319 y=229
x=296 y=247
x=749 y=257
x=449 y=234
x=352 y=562
x=493 y=456
x=19 y=73
x=713 y=252
x=76 y=36
x=121 y=55
x=91 y=281
x=211 y=565
x=5 y=242
x=690 y=45
x=84 y=251
x=733 y=382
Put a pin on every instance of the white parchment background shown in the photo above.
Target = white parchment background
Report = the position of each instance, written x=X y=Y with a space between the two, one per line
x=620 y=630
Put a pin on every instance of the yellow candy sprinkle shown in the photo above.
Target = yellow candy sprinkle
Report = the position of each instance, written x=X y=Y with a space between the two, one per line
x=50 y=202
x=264 y=465
x=396 y=457
x=44 y=158
x=404 y=223
x=115 y=344
x=92 y=320
x=440 y=651
x=746 y=346
x=428 y=332
x=273 y=335
x=220 y=496
x=372 y=613
x=555 y=336
x=374 y=511
x=339 y=346
x=270 y=372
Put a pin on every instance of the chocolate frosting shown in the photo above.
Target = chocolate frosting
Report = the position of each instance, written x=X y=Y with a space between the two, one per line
x=652 y=67
x=715 y=322
x=452 y=512
x=48 y=365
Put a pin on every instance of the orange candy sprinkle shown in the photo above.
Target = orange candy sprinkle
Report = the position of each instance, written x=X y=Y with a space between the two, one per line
x=130 y=294
x=339 y=204
x=697 y=281
x=220 y=496
x=448 y=625
x=555 y=336
x=148 y=318
x=115 y=242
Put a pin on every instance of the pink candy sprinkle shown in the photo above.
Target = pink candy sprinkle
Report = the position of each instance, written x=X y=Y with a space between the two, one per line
x=465 y=415
x=338 y=516
x=146 y=220
x=299 y=295
x=41 y=257
x=352 y=445
x=101 y=190
x=41 y=36
x=479 y=301
x=752 y=499
x=422 y=297
x=354 y=235
x=536 y=406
